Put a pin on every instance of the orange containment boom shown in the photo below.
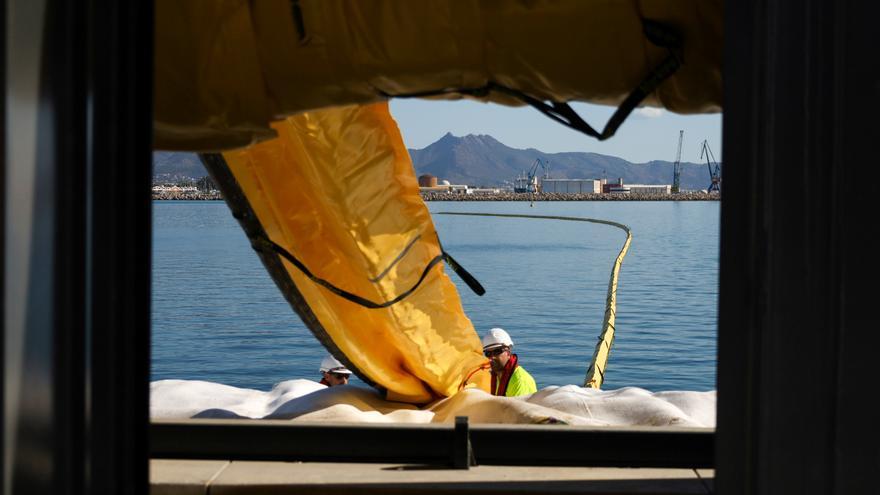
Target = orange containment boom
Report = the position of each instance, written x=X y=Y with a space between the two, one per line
x=225 y=68
x=337 y=195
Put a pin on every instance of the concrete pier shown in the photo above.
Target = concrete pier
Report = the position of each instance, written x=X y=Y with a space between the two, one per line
x=504 y=196
x=509 y=196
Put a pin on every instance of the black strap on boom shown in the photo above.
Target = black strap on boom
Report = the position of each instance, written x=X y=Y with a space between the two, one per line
x=658 y=34
x=262 y=244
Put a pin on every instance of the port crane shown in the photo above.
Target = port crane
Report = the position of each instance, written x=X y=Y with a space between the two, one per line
x=529 y=183
x=676 y=167
x=714 y=174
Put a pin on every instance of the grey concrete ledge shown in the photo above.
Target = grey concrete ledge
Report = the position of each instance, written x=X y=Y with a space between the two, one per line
x=173 y=477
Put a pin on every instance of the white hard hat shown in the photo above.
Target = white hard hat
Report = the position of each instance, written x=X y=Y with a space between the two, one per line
x=332 y=365
x=496 y=337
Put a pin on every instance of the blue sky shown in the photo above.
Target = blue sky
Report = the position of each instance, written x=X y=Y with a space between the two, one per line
x=648 y=134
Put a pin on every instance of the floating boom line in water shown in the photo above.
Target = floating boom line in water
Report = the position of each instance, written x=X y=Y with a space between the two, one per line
x=596 y=370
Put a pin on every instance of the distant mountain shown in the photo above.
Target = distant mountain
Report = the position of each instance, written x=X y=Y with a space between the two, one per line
x=484 y=161
x=481 y=160
x=176 y=166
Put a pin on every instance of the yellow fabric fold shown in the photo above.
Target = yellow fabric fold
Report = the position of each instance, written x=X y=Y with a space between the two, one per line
x=337 y=190
x=225 y=68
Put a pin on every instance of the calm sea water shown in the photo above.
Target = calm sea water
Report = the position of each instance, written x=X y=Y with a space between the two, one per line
x=217 y=316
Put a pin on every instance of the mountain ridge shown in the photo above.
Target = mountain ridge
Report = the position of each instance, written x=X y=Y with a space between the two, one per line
x=482 y=160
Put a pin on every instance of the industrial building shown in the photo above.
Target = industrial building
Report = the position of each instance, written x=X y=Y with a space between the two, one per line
x=429 y=184
x=620 y=188
x=427 y=180
x=571 y=186
x=596 y=186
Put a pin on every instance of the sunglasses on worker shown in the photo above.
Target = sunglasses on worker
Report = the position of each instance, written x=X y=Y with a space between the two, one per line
x=490 y=353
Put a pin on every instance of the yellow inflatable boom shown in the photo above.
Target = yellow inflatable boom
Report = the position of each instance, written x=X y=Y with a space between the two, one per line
x=333 y=208
x=225 y=68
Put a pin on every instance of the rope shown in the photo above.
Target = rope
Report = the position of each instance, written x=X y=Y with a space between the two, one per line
x=464 y=383
x=595 y=375
x=657 y=33
x=264 y=244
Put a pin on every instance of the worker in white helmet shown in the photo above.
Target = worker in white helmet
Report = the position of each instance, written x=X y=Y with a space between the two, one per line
x=333 y=372
x=509 y=379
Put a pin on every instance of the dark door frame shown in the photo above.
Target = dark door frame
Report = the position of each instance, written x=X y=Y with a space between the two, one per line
x=798 y=250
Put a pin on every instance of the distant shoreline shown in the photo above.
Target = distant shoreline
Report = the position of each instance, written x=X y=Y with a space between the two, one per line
x=688 y=196
x=507 y=196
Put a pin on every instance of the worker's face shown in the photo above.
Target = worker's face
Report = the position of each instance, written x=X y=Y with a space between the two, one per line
x=498 y=358
x=336 y=378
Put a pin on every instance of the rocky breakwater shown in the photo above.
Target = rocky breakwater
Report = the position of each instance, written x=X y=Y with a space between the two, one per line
x=509 y=196
x=187 y=196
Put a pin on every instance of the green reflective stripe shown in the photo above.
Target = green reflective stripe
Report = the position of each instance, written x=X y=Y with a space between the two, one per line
x=521 y=383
